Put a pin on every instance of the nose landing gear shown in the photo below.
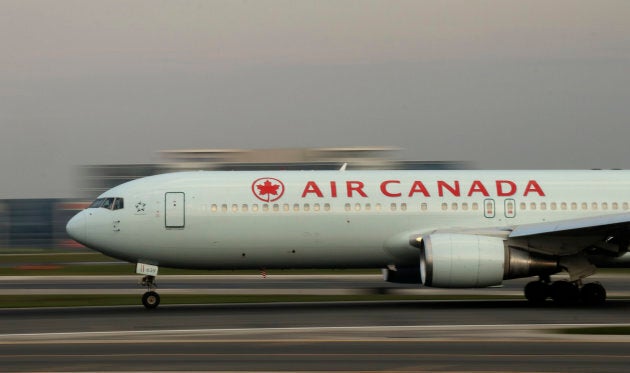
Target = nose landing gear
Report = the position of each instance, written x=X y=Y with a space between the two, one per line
x=150 y=299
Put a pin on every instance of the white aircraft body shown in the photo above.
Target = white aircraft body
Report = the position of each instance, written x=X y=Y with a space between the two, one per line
x=448 y=229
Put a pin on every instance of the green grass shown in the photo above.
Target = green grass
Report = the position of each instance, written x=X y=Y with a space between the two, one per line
x=51 y=300
x=93 y=264
x=130 y=269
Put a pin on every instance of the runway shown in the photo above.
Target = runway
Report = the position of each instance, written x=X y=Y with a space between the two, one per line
x=617 y=285
x=357 y=336
x=503 y=335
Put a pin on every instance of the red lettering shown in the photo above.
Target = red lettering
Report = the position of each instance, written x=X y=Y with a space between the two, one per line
x=418 y=187
x=505 y=193
x=453 y=189
x=386 y=192
x=355 y=186
x=333 y=189
x=532 y=186
x=478 y=187
x=311 y=187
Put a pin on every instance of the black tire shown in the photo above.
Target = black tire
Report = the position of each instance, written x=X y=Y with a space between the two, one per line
x=151 y=300
x=593 y=294
x=564 y=293
x=536 y=292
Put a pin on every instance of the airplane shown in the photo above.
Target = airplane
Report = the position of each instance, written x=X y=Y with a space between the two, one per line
x=449 y=229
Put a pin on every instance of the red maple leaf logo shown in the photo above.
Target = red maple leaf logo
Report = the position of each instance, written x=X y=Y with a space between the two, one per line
x=269 y=189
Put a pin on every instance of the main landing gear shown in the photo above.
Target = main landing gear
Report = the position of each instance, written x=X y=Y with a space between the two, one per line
x=150 y=299
x=565 y=292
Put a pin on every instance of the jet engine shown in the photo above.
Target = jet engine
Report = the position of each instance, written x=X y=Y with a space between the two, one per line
x=451 y=260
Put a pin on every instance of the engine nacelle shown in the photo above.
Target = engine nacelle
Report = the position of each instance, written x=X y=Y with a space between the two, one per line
x=452 y=260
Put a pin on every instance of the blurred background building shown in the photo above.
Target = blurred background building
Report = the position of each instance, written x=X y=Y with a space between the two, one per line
x=40 y=223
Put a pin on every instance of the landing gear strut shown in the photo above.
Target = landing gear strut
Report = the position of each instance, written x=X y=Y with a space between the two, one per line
x=565 y=292
x=150 y=299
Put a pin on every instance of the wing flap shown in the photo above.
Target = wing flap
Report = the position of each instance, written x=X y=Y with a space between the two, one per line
x=587 y=225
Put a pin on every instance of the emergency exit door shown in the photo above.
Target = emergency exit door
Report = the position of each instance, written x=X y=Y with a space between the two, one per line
x=174 y=209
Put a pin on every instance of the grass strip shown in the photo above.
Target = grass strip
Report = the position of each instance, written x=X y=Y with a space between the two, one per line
x=51 y=300
x=130 y=269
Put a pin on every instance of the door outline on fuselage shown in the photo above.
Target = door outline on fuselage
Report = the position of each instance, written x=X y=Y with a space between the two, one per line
x=509 y=209
x=174 y=210
x=489 y=208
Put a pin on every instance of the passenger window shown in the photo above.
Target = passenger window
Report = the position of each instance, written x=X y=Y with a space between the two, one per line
x=357 y=207
x=523 y=206
x=543 y=206
x=604 y=205
x=213 y=208
x=307 y=207
x=265 y=208
x=594 y=205
x=554 y=206
x=316 y=207
x=454 y=206
x=475 y=206
x=532 y=206
x=224 y=208
x=424 y=206
x=327 y=207
x=615 y=206
x=347 y=207
x=285 y=207
x=255 y=208
x=403 y=207
x=584 y=206
x=392 y=207
x=464 y=206
x=444 y=206
x=563 y=206
x=296 y=207
x=573 y=205
x=625 y=205
x=235 y=208
x=276 y=207
x=378 y=207
x=244 y=208
x=368 y=207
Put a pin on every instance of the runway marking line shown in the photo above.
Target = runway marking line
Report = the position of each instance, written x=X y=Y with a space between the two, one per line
x=319 y=328
x=224 y=335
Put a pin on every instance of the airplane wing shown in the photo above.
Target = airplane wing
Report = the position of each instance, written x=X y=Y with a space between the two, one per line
x=605 y=234
x=594 y=223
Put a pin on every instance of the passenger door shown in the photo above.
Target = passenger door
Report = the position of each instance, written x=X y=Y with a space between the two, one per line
x=174 y=210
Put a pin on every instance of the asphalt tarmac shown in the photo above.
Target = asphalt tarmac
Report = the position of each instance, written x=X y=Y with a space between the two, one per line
x=358 y=336
x=506 y=335
x=616 y=285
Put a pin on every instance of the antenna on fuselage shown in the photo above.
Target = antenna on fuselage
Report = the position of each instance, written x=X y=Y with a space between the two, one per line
x=343 y=167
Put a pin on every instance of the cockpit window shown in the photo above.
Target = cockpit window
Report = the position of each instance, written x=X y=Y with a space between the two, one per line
x=110 y=203
x=119 y=203
x=97 y=203
x=107 y=203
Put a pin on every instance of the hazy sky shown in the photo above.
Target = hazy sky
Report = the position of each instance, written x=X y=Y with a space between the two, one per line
x=506 y=84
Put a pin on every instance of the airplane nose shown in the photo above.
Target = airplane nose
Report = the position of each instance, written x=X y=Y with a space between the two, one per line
x=76 y=228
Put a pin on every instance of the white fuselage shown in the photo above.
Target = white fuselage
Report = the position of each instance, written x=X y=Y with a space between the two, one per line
x=328 y=219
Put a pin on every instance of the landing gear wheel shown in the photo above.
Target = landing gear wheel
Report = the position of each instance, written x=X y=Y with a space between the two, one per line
x=593 y=294
x=151 y=299
x=564 y=293
x=536 y=292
